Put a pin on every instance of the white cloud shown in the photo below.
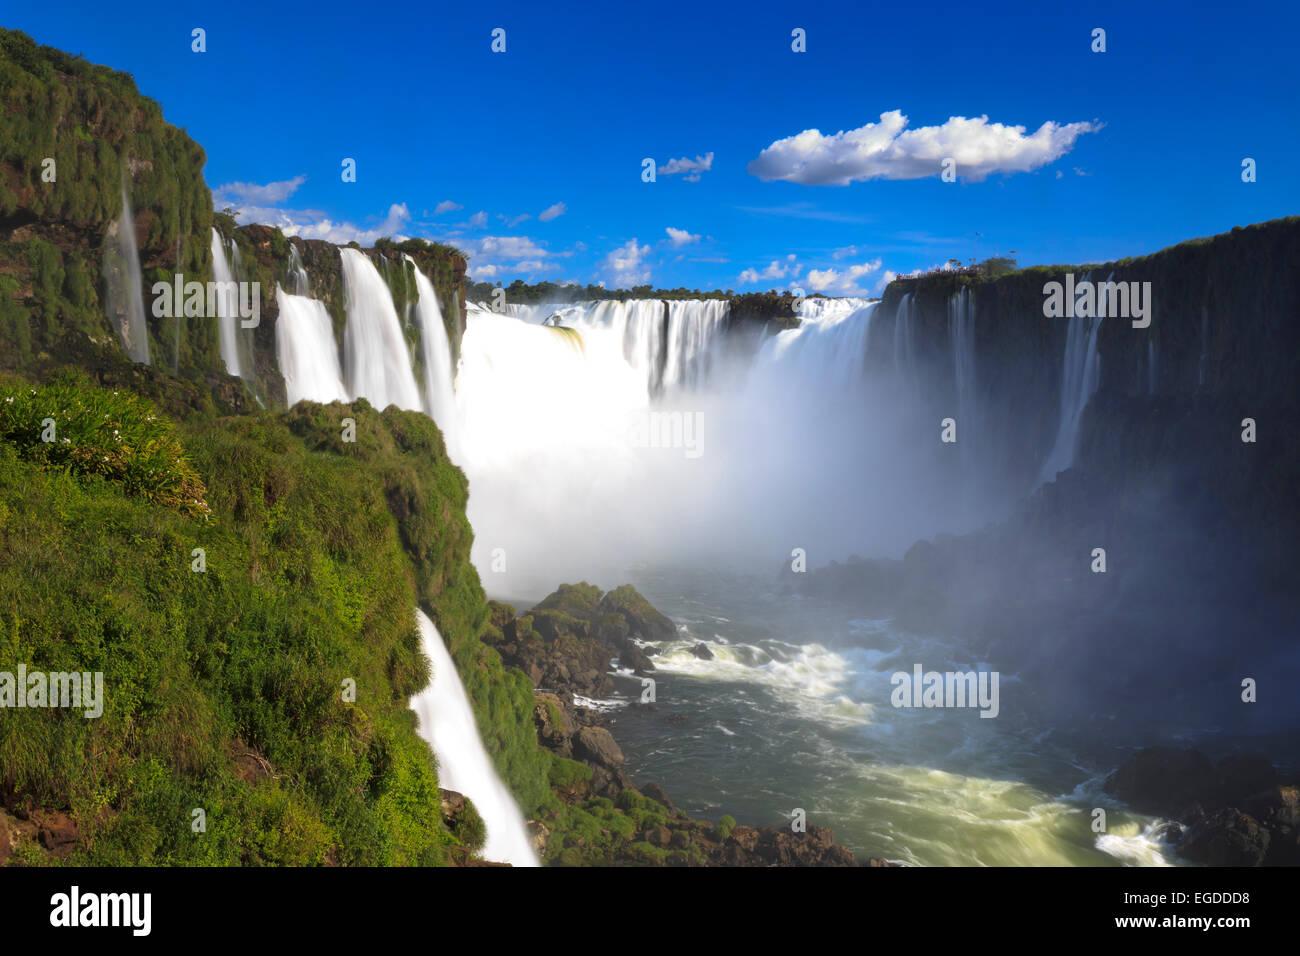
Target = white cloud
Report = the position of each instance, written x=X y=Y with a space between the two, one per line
x=345 y=232
x=552 y=212
x=233 y=194
x=446 y=206
x=626 y=265
x=507 y=248
x=775 y=270
x=836 y=282
x=499 y=256
x=693 y=168
x=680 y=237
x=886 y=150
x=511 y=223
x=478 y=220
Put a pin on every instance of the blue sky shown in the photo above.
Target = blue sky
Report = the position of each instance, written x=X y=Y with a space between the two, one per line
x=1144 y=150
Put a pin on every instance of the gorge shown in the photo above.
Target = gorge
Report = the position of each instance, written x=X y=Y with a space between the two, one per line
x=497 y=455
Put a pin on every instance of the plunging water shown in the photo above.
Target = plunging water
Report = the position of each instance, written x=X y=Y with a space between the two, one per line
x=125 y=291
x=447 y=723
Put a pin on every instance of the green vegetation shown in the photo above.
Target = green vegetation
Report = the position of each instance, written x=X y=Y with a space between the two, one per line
x=99 y=132
x=224 y=688
x=99 y=435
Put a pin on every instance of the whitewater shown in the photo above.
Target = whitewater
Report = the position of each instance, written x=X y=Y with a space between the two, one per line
x=809 y=444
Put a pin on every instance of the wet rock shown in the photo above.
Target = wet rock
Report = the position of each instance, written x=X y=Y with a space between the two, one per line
x=702 y=652
x=1226 y=838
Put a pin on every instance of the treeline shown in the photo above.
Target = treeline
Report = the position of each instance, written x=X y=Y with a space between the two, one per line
x=523 y=293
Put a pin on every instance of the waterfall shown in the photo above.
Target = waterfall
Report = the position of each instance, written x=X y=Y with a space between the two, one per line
x=125 y=296
x=297 y=273
x=440 y=398
x=961 y=332
x=905 y=337
x=1080 y=376
x=447 y=723
x=692 y=327
x=227 y=306
x=376 y=360
x=306 y=351
x=829 y=347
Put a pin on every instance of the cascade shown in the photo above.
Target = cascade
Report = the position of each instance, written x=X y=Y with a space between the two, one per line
x=1080 y=376
x=227 y=309
x=447 y=723
x=297 y=273
x=376 y=362
x=440 y=398
x=961 y=332
x=125 y=292
x=306 y=351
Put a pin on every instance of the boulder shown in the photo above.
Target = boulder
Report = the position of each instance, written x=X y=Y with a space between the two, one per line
x=597 y=745
x=1227 y=837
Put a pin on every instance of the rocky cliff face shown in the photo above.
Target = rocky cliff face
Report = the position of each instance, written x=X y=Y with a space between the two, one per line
x=71 y=135
x=1199 y=527
x=265 y=253
x=1223 y=342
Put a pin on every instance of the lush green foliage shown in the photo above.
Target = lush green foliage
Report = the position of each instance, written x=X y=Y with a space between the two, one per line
x=100 y=133
x=100 y=435
x=307 y=584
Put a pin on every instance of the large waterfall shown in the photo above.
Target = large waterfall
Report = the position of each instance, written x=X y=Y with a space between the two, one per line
x=376 y=361
x=439 y=396
x=125 y=289
x=447 y=723
x=227 y=307
x=305 y=348
x=640 y=429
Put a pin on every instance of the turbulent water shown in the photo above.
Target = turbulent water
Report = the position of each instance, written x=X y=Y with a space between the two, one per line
x=447 y=723
x=606 y=435
x=794 y=711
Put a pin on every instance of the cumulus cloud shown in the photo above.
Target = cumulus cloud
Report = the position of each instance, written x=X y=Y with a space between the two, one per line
x=511 y=223
x=507 y=248
x=552 y=212
x=774 y=270
x=834 y=281
x=887 y=150
x=680 y=237
x=236 y=194
x=345 y=232
x=497 y=256
x=626 y=265
x=446 y=206
x=478 y=220
x=690 y=169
